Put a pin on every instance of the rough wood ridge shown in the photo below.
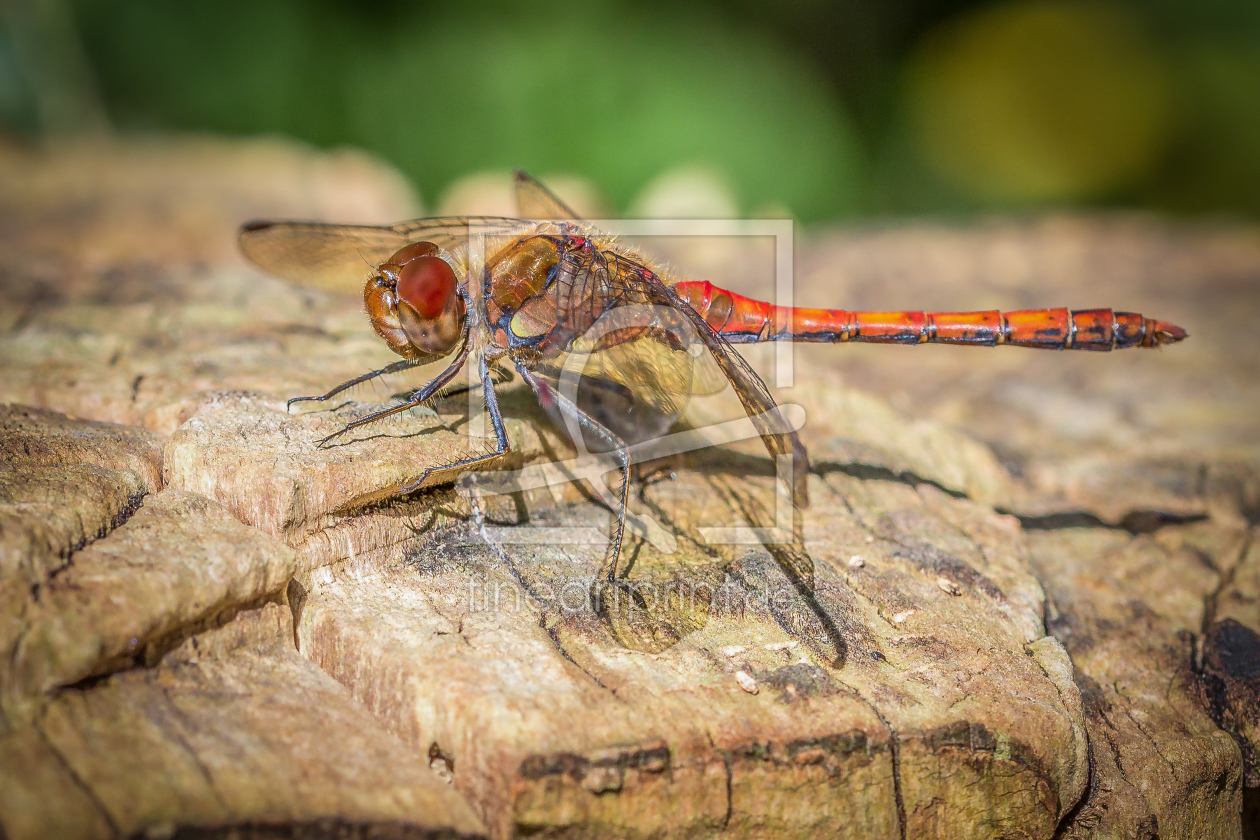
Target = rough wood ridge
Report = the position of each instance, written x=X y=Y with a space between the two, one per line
x=1037 y=584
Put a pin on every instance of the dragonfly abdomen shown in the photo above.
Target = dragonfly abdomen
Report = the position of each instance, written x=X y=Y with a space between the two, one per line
x=743 y=320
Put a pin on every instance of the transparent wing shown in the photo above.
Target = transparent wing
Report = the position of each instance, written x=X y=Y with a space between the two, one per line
x=534 y=201
x=676 y=374
x=636 y=280
x=451 y=232
x=335 y=258
x=339 y=258
x=658 y=376
x=634 y=368
x=652 y=349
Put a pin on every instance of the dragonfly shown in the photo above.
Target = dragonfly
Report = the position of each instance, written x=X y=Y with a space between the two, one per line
x=545 y=288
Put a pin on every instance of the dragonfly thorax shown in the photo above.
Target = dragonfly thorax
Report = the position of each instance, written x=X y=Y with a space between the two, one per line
x=414 y=302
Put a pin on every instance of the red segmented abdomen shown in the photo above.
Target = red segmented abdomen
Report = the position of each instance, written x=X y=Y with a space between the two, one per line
x=746 y=320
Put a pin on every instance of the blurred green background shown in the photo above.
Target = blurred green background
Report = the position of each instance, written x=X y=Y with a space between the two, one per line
x=820 y=109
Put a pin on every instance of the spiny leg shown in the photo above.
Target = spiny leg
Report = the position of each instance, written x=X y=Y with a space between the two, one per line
x=405 y=364
x=550 y=396
x=496 y=422
x=416 y=399
x=500 y=376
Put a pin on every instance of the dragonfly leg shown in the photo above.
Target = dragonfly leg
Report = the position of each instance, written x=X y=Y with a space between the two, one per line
x=500 y=376
x=406 y=364
x=417 y=398
x=549 y=396
x=496 y=422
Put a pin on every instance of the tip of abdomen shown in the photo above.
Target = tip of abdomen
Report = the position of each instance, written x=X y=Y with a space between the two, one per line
x=1162 y=332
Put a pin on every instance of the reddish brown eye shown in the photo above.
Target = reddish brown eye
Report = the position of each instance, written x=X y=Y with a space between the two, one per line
x=415 y=249
x=427 y=284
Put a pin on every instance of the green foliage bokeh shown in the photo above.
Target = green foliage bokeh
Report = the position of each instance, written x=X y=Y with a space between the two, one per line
x=821 y=109
x=583 y=88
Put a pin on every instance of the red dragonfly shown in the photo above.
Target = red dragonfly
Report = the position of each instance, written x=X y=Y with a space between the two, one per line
x=546 y=287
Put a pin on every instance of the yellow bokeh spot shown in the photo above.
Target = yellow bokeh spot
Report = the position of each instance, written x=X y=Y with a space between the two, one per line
x=1040 y=100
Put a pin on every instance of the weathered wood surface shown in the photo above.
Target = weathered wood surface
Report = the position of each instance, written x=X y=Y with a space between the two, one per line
x=209 y=623
x=1162 y=445
x=254 y=741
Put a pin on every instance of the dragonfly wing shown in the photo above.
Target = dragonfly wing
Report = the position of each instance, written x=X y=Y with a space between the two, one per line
x=630 y=363
x=637 y=388
x=624 y=410
x=338 y=258
x=778 y=437
x=659 y=376
x=707 y=377
x=534 y=201
x=451 y=233
x=628 y=289
x=776 y=434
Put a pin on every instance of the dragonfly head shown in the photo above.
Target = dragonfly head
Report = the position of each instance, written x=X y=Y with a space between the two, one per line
x=414 y=302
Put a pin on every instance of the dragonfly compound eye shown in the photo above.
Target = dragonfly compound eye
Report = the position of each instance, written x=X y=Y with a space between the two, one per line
x=429 y=309
x=427 y=285
x=414 y=302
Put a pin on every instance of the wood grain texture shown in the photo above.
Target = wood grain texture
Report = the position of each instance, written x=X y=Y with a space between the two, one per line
x=1036 y=583
x=247 y=743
